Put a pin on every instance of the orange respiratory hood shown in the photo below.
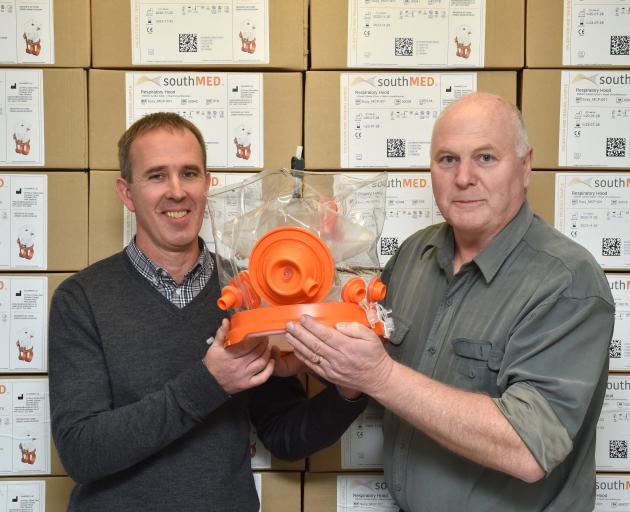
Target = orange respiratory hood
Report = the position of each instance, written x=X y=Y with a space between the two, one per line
x=299 y=243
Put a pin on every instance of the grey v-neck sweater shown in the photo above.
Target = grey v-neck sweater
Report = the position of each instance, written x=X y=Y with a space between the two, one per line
x=137 y=419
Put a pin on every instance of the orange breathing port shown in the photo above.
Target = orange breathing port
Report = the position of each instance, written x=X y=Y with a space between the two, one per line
x=376 y=290
x=266 y=321
x=291 y=265
x=238 y=292
x=353 y=290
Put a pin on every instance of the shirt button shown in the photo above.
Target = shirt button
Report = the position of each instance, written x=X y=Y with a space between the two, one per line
x=449 y=302
x=472 y=373
x=178 y=291
x=431 y=350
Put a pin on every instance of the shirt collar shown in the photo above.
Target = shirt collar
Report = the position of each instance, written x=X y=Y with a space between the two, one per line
x=148 y=268
x=492 y=257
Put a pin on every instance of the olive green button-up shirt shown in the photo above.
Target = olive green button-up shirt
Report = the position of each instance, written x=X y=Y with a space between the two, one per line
x=527 y=322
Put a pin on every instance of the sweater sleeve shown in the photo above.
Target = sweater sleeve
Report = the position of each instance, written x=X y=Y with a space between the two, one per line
x=293 y=427
x=93 y=438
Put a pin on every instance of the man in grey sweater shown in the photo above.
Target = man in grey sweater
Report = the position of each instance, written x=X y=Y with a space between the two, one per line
x=145 y=415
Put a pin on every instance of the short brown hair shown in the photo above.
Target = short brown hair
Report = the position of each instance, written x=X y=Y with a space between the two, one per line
x=167 y=120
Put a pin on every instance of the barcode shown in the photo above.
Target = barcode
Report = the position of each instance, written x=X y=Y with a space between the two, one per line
x=620 y=45
x=614 y=350
x=403 y=46
x=618 y=449
x=611 y=246
x=395 y=148
x=615 y=147
x=187 y=43
x=389 y=245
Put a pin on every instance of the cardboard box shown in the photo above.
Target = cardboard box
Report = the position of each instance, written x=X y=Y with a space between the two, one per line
x=288 y=37
x=105 y=231
x=56 y=468
x=540 y=104
x=504 y=44
x=613 y=432
x=65 y=119
x=280 y=492
x=57 y=489
x=282 y=117
x=67 y=220
x=330 y=459
x=322 y=112
x=586 y=39
x=541 y=194
x=9 y=361
x=320 y=492
x=72 y=36
x=544 y=32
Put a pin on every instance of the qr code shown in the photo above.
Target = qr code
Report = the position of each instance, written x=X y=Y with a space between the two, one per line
x=615 y=349
x=403 y=46
x=187 y=43
x=611 y=246
x=618 y=449
x=620 y=45
x=389 y=245
x=615 y=146
x=395 y=148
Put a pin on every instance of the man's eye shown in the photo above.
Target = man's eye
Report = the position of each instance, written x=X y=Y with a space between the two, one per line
x=486 y=158
x=191 y=173
x=155 y=177
x=447 y=159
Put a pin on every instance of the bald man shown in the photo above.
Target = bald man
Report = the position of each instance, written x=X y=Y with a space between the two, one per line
x=495 y=376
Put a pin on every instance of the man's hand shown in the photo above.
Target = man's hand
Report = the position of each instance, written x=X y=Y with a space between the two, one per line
x=239 y=367
x=287 y=364
x=351 y=356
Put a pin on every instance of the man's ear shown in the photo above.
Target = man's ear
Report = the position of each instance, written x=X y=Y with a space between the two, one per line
x=527 y=167
x=124 y=193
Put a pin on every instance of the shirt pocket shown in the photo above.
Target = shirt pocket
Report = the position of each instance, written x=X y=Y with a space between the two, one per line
x=477 y=365
x=397 y=339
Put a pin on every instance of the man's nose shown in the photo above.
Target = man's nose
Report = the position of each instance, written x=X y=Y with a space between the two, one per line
x=175 y=188
x=466 y=174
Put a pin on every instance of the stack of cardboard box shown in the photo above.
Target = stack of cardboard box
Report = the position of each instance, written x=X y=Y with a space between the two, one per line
x=361 y=99
x=43 y=226
x=576 y=102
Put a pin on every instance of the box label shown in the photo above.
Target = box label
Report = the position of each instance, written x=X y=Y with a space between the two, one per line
x=364 y=493
x=21 y=117
x=418 y=34
x=596 y=32
x=23 y=496
x=410 y=207
x=230 y=206
x=23 y=323
x=612 y=493
x=24 y=427
x=362 y=443
x=594 y=119
x=200 y=32
x=594 y=210
x=620 y=343
x=226 y=107
x=613 y=427
x=27 y=32
x=23 y=221
x=386 y=119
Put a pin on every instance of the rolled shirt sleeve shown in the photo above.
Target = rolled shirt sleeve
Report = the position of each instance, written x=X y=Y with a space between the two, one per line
x=557 y=357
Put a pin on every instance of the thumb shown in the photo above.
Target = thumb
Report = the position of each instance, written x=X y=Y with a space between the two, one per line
x=222 y=332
